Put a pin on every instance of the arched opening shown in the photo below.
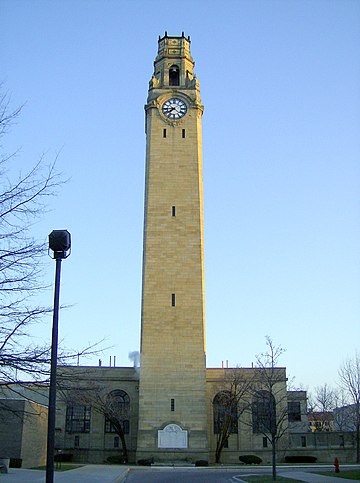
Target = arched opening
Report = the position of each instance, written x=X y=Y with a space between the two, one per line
x=225 y=413
x=117 y=412
x=174 y=75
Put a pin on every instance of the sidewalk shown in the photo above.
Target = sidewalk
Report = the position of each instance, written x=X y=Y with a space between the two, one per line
x=85 y=474
x=311 y=477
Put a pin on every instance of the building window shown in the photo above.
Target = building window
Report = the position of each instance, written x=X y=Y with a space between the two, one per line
x=294 y=412
x=225 y=412
x=111 y=427
x=264 y=413
x=303 y=441
x=173 y=211
x=172 y=404
x=183 y=133
x=174 y=75
x=117 y=412
x=265 y=442
x=77 y=442
x=341 y=440
x=78 y=419
x=164 y=133
x=173 y=300
x=116 y=442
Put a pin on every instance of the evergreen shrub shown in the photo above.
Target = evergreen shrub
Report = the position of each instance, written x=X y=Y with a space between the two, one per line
x=250 y=459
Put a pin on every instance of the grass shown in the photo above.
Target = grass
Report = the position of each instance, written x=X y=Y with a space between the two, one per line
x=63 y=467
x=266 y=479
x=350 y=474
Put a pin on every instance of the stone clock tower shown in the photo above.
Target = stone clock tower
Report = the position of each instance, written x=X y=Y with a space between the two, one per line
x=172 y=395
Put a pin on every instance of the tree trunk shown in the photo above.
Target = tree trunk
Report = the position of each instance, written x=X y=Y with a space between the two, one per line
x=124 y=449
x=273 y=451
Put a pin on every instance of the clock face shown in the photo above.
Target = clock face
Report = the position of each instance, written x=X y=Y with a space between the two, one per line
x=174 y=108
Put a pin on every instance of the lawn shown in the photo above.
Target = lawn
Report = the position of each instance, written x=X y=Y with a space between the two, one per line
x=267 y=479
x=350 y=474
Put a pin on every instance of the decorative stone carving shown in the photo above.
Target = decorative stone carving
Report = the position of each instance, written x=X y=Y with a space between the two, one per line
x=172 y=437
x=154 y=82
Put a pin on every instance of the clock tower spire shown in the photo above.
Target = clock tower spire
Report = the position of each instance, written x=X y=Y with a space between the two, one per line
x=172 y=394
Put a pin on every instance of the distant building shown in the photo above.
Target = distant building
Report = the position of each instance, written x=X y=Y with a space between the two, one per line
x=321 y=421
x=345 y=418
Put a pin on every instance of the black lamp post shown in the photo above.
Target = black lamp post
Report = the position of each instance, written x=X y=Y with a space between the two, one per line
x=59 y=248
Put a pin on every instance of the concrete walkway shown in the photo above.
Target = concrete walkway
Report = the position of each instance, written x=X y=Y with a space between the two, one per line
x=311 y=477
x=85 y=474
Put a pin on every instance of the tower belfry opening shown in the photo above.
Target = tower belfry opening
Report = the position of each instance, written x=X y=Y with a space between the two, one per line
x=174 y=75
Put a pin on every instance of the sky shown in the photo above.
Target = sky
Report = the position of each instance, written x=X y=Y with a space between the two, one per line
x=280 y=83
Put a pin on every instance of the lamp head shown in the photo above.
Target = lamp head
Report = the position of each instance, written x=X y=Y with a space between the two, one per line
x=60 y=243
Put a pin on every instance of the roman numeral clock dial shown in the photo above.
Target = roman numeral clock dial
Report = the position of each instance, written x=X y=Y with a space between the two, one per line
x=174 y=108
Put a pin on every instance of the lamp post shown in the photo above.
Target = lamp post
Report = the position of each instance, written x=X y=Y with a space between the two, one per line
x=59 y=245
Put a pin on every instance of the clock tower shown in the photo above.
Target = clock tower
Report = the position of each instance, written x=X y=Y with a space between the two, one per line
x=172 y=393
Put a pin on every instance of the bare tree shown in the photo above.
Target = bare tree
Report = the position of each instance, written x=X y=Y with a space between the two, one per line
x=23 y=200
x=229 y=404
x=321 y=405
x=349 y=374
x=269 y=404
x=113 y=405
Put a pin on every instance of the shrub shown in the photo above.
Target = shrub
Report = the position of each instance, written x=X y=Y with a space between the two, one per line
x=63 y=457
x=201 y=463
x=146 y=462
x=300 y=459
x=116 y=459
x=15 y=463
x=250 y=459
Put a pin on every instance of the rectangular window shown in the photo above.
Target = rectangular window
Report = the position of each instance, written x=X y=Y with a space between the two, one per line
x=164 y=133
x=173 y=211
x=183 y=133
x=265 y=442
x=116 y=442
x=173 y=300
x=341 y=440
x=110 y=428
x=78 y=419
x=77 y=442
x=303 y=441
x=226 y=443
x=294 y=412
x=172 y=404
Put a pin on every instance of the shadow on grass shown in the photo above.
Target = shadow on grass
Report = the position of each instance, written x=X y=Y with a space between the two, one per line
x=62 y=467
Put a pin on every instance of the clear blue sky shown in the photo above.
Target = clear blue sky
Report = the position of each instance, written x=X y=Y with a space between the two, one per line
x=280 y=82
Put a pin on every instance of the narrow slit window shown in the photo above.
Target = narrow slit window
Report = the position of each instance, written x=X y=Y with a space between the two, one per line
x=173 y=211
x=164 y=133
x=173 y=300
x=172 y=404
x=183 y=133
